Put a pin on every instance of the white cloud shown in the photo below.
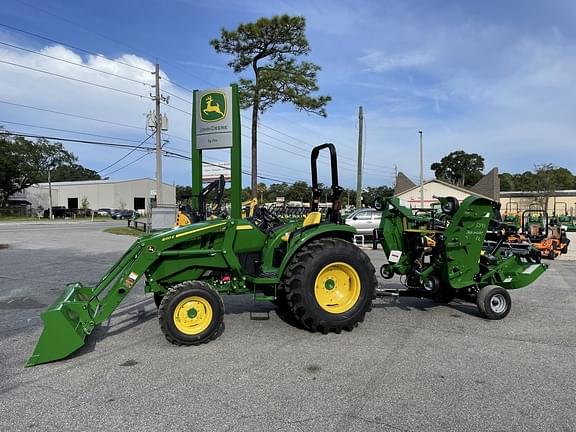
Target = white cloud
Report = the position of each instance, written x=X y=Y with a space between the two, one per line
x=127 y=106
x=380 y=61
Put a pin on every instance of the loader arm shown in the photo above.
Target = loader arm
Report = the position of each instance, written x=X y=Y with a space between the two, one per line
x=80 y=308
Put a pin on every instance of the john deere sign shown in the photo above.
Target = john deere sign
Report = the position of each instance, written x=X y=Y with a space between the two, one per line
x=213 y=118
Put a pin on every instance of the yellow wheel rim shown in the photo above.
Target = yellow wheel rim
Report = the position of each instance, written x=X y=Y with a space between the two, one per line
x=193 y=315
x=337 y=288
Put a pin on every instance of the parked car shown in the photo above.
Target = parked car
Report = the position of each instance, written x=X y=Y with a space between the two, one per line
x=58 y=211
x=84 y=212
x=125 y=214
x=365 y=220
x=104 y=212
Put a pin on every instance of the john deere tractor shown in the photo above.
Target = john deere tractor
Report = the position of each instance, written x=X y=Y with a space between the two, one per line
x=311 y=269
x=461 y=251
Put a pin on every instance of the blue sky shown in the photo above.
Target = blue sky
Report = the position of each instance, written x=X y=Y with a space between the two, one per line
x=492 y=77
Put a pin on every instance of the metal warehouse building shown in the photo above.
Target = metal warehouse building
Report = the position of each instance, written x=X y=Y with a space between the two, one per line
x=129 y=194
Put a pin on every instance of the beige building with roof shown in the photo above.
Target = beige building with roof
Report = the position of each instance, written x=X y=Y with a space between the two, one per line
x=120 y=194
x=409 y=192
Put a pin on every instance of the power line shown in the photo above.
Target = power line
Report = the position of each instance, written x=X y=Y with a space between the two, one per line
x=127 y=154
x=119 y=76
x=147 y=149
x=52 y=138
x=129 y=65
x=128 y=164
x=75 y=64
x=176 y=96
x=70 y=115
x=189 y=114
x=72 y=46
x=72 y=79
x=68 y=131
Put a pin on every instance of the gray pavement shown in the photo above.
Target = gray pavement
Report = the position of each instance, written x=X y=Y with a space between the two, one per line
x=413 y=365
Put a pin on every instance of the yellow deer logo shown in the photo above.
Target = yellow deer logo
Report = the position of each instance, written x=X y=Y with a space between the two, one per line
x=212 y=107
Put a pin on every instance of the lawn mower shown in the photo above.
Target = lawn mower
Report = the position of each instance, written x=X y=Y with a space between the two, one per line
x=462 y=253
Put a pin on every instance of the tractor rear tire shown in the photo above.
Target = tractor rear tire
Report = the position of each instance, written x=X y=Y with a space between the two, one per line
x=191 y=313
x=494 y=302
x=330 y=285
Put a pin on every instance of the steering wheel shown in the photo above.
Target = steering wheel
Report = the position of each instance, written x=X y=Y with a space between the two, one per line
x=265 y=219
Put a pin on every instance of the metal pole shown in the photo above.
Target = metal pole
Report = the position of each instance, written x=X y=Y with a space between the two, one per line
x=49 y=194
x=158 y=122
x=421 y=173
x=360 y=158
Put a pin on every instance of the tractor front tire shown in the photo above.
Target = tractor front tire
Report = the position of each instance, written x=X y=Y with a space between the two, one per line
x=330 y=285
x=191 y=313
x=494 y=302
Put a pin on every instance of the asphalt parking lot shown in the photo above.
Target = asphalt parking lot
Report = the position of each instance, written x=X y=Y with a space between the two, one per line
x=413 y=365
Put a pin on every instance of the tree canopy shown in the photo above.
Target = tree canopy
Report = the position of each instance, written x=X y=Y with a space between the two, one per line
x=544 y=177
x=270 y=47
x=25 y=162
x=459 y=168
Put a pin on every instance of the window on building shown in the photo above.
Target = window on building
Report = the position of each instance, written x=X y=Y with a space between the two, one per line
x=139 y=203
x=72 y=203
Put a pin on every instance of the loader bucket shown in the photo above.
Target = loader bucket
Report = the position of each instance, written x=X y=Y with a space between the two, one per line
x=67 y=322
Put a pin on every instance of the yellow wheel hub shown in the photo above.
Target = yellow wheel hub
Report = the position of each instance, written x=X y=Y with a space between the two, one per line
x=193 y=315
x=337 y=287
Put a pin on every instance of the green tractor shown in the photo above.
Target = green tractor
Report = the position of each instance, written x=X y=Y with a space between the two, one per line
x=463 y=252
x=310 y=269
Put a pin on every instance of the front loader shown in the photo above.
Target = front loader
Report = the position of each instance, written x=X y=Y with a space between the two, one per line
x=310 y=268
x=462 y=251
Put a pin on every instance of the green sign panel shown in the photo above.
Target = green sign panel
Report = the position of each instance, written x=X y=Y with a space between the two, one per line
x=213 y=107
x=213 y=118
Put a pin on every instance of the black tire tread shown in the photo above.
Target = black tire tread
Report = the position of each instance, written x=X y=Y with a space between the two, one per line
x=164 y=315
x=484 y=293
x=294 y=288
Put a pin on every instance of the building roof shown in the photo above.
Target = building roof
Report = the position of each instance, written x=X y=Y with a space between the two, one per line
x=512 y=194
x=95 y=182
x=450 y=185
x=403 y=183
x=487 y=187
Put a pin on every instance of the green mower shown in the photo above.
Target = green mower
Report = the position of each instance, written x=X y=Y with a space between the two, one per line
x=311 y=269
x=463 y=252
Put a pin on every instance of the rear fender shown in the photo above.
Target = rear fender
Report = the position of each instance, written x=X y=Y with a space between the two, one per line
x=307 y=235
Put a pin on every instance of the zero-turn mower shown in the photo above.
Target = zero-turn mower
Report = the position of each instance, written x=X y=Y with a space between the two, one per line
x=549 y=238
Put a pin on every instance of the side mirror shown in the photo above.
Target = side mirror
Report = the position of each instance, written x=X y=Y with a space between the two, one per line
x=355 y=218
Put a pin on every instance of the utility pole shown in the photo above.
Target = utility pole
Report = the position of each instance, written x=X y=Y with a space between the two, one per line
x=421 y=173
x=360 y=158
x=158 y=98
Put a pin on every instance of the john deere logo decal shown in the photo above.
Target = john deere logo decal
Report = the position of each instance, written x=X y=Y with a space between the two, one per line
x=213 y=107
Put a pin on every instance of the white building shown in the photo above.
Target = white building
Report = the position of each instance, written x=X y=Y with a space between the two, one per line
x=129 y=194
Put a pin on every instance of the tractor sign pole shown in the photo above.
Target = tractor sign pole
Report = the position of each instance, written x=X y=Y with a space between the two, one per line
x=216 y=125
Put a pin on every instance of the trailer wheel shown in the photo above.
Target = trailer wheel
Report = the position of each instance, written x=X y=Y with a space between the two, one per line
x=331 y=284
x=450 y=207
x=386 y=271
x=494 y=302
x=191 y=313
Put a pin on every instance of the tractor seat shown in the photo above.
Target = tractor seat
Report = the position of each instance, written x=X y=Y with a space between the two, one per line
x=313 y=218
